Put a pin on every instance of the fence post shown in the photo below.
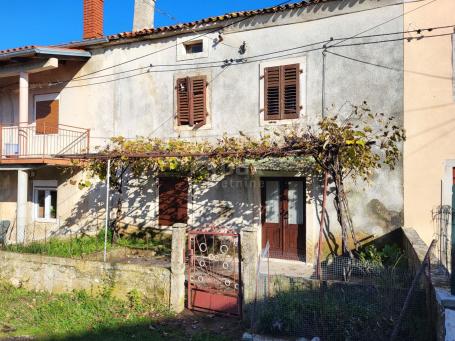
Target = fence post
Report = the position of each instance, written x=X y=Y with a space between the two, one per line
x=250 y=255
x=177 y=297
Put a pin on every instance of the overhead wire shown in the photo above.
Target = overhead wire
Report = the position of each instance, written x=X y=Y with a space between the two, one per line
x=237 y=63
x=389 y=67
x=172 y=46
x=225 y=62
x=384 y=23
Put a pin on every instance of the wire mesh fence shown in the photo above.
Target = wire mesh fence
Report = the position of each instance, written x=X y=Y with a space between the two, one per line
x=353 y=300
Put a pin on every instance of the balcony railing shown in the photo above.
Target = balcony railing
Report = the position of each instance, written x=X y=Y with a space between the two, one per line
x=41 y=141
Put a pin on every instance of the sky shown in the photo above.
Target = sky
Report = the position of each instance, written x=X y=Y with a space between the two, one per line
x=45 y=22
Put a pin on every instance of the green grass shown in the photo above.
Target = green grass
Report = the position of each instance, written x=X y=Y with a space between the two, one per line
x=78 y=316
x=63 y=247
x=85 y=245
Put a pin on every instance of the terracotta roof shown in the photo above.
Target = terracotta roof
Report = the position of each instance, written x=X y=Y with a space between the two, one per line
x=17 y=49
x=193 y=24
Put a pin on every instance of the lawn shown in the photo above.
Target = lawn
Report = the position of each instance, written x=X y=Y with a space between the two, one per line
x=85 y=245
x=78 y=316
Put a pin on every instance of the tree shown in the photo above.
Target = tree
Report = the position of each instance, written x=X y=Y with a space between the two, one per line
x=353 y=147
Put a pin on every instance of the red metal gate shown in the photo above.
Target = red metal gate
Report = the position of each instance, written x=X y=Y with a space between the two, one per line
x=214 y=281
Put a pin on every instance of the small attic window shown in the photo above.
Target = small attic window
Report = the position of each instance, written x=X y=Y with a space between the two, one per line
x=194 y=47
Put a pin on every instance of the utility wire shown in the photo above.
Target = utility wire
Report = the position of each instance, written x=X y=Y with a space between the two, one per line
x=388 y=67
x=243 y=62
x=252 y=59
x=220 y=63
x=172 y=46
x=170 y=116
x=383 y=23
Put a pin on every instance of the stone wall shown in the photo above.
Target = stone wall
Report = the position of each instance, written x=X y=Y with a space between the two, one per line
x=59 y=275
x=165 y=283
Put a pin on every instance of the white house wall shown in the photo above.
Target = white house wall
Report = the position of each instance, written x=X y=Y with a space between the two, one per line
x=144 y=105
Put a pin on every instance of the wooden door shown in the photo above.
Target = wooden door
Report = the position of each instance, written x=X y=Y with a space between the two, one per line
x=47 y=117
x=283 y=217
x=173 y=201
x=271 y=216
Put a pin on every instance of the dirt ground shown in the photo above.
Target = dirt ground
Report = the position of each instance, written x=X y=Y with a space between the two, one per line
x=228 y=328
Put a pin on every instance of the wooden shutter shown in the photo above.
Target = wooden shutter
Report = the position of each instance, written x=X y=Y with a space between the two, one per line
x=282 y=92
x=183 y=101
x=198 y=100
x=192 y=101
x=272 y=93
x=290 y=91
x=47 y=117
x=173 y=201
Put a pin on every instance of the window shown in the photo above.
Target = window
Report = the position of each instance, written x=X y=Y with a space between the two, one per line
x=282 y=92
x=46 y=114
x=194 y=47
x=191 y=101
x=45 y=200
x=173 y=201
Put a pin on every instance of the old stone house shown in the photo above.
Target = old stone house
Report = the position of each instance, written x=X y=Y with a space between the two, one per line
x=199 y=80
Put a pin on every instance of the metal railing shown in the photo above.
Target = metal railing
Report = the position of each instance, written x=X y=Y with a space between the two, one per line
x=41 y=140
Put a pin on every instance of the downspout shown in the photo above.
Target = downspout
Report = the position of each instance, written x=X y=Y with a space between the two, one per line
x=326 y=175
x=321 y=224
x=106 y=226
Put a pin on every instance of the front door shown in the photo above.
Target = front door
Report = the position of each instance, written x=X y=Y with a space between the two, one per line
x=283 y=217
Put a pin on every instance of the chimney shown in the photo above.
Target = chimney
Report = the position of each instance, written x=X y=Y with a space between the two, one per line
x=93 y=19
x=144 y=14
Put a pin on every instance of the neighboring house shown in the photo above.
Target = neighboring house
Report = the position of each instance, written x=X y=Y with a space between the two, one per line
x=429 y=113
x=199 y=80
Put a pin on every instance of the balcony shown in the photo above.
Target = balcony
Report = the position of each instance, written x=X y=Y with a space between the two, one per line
x=31 y=143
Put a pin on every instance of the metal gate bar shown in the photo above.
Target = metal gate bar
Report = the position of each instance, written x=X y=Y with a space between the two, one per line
x=214 y=272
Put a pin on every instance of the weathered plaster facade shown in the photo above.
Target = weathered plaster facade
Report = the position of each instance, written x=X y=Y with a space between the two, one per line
x=143 y=104
x=429 y=106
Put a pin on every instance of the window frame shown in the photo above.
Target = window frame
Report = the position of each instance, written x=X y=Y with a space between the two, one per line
x=208 y=118
x=193 y=43
x=181 y=52
x=47 y=186
x=302 y=88
x=280 y=86
x=44 y=98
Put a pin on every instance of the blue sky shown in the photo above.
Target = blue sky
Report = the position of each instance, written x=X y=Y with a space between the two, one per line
x=43 y=22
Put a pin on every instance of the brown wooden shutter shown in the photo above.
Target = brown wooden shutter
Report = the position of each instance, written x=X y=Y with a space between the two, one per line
x=173 y=201
x=290 y=91
x=47 y=117
x=198 y=101
x=192 y=101
x=183 y=101
x=272 y=93
x=282 y=92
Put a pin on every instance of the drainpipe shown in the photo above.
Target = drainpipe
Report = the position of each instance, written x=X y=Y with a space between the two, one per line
x=106 y=224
